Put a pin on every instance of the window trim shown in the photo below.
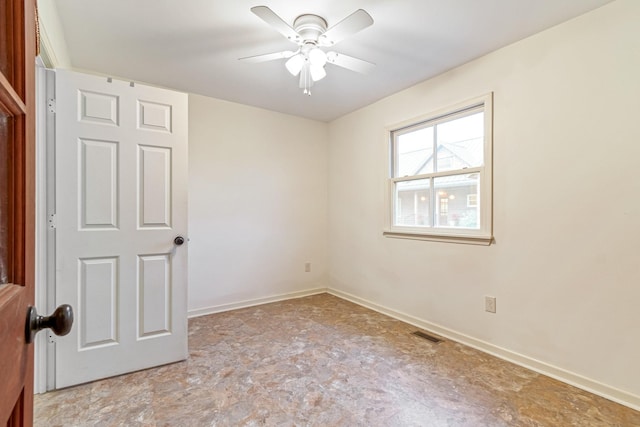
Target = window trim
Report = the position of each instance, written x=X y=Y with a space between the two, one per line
x=482 y=236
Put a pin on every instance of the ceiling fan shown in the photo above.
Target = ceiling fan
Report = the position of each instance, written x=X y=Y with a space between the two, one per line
x=311 y=34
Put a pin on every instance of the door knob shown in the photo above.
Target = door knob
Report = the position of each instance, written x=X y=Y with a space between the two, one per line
x=59 y=322
x=178 y=240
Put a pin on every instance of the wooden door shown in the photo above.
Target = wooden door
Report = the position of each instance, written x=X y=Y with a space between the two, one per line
x=121 y=201
x=17 y=200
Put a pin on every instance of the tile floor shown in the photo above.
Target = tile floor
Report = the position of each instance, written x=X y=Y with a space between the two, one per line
x=323 y=361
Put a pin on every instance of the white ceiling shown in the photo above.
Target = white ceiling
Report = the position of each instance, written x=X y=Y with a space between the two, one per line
x=194 y=45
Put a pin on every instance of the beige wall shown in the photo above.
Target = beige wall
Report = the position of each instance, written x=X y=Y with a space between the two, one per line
x=52 y=35
x=565 y=267
x=257 y=204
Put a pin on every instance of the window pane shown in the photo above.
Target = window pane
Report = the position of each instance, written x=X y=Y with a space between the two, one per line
x=6 y=227
x=413 y=203
x=414 y=152
x=457 y=201
x=460 y=143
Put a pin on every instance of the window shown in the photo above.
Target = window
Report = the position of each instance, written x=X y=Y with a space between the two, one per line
x=439 y=181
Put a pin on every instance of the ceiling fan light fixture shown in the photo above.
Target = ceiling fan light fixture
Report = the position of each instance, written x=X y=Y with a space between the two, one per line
x=294 y=64
x=310 y=32
x=317 y=72
x=317 y=57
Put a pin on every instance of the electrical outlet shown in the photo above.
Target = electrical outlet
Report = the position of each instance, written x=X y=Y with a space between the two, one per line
x=307 y=267
x=490 y=304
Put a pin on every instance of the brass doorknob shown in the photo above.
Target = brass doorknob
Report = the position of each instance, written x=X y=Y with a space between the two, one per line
x=59 y=322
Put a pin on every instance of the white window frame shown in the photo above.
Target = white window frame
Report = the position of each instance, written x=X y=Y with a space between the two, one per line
x=481 y=236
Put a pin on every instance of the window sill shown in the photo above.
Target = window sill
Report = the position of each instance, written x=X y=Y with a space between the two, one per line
x=466 y=240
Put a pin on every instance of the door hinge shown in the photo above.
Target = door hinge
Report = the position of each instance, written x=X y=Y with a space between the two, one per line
x=52 y=221
x=51 y=105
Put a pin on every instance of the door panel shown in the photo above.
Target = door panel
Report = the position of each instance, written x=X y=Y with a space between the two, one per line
x=14 y=354
x=98 y=302
x=98 y=198
x=121 y=198
x=154 y=116
x=154 y=294
x=101 y=108
x=154 y=176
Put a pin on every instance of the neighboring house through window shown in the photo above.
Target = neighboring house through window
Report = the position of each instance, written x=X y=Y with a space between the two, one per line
x=440 y=176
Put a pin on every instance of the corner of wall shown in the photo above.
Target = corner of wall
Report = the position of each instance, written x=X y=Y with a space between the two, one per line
x=54 y=50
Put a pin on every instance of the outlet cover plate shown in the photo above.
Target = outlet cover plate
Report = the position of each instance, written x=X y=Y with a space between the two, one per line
x=490 y=304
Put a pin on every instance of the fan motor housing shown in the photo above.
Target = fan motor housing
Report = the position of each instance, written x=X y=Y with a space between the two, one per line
x=310 y=27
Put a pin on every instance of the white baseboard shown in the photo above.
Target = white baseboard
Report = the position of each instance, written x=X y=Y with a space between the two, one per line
x=250 y=303
x=619 y=396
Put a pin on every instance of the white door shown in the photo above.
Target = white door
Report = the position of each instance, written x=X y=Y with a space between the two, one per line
x=121 y=200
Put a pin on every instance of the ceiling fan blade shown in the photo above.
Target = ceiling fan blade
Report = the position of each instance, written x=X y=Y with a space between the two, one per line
x=268 y=57
x=349 y=62
x=270 y=17
x=350 y=25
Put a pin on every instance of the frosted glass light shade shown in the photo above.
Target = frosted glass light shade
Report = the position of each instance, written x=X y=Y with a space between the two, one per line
x=294 y=64
x=317 y=72
x=317 y=57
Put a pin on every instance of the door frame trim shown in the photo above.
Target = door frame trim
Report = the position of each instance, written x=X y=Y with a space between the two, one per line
x=44 y=352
